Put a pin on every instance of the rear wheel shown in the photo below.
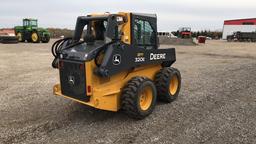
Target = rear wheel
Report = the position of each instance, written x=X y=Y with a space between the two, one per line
x=139 y=97
x=46 y=39
x=35 y=37
x=168 y=82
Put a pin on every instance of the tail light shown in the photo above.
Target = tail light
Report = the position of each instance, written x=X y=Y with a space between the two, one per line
x=81 y=66
x=61 y=64
x=89 y=89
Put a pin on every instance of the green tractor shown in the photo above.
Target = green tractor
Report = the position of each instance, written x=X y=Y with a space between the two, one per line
x=31 y=33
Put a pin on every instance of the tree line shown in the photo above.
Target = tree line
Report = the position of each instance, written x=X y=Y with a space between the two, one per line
x=57 y=32
x=211 y=34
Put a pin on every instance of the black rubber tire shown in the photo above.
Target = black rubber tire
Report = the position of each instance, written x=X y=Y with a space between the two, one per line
x=130 y=97
x=162 y=82
x=46 y=39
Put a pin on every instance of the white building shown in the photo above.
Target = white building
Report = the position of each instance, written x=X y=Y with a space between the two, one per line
x=243 y=25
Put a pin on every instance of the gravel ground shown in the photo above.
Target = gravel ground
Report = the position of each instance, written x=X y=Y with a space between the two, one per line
x=217 y=102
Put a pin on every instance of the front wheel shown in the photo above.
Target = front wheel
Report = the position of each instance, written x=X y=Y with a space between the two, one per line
x=139 y=97
x=168 y=83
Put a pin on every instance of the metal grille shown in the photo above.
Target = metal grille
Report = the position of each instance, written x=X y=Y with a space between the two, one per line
x=72 y=78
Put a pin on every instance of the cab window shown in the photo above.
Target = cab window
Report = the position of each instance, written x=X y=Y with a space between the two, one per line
x=25 y=23
x=33 y=23
x=144 y=34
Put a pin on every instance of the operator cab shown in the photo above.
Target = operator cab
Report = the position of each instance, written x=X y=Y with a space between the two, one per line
x=98 y=28
x=94 y=33
x=110 y=27
x=29 y=22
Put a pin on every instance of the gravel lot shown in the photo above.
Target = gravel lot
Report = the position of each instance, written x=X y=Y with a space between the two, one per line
x=217 y=102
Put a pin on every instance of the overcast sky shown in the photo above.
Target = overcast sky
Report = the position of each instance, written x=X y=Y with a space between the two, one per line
x=172 y=14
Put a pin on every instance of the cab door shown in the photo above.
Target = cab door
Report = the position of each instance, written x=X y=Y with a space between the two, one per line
x=26 y=27
x=144 y=32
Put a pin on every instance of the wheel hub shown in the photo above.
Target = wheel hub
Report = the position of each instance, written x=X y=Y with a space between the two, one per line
x=146 y=97
x=19 y=37
x=174 y=83
x=34 y=37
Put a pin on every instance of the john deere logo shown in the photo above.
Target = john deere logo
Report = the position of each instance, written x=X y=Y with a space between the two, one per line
x=116 y=59
x=71 y=80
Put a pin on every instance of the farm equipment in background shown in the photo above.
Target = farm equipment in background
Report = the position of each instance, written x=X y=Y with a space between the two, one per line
x=114 y=62
x=7 y=36
x=184 y=32
x=242 y=37
x=30 y=32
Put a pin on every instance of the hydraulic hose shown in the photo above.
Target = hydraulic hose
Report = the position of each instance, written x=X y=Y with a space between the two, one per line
x=56 y=49
x=58 y=46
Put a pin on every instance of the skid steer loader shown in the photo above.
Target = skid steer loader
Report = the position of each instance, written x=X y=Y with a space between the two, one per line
x=113 y=62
